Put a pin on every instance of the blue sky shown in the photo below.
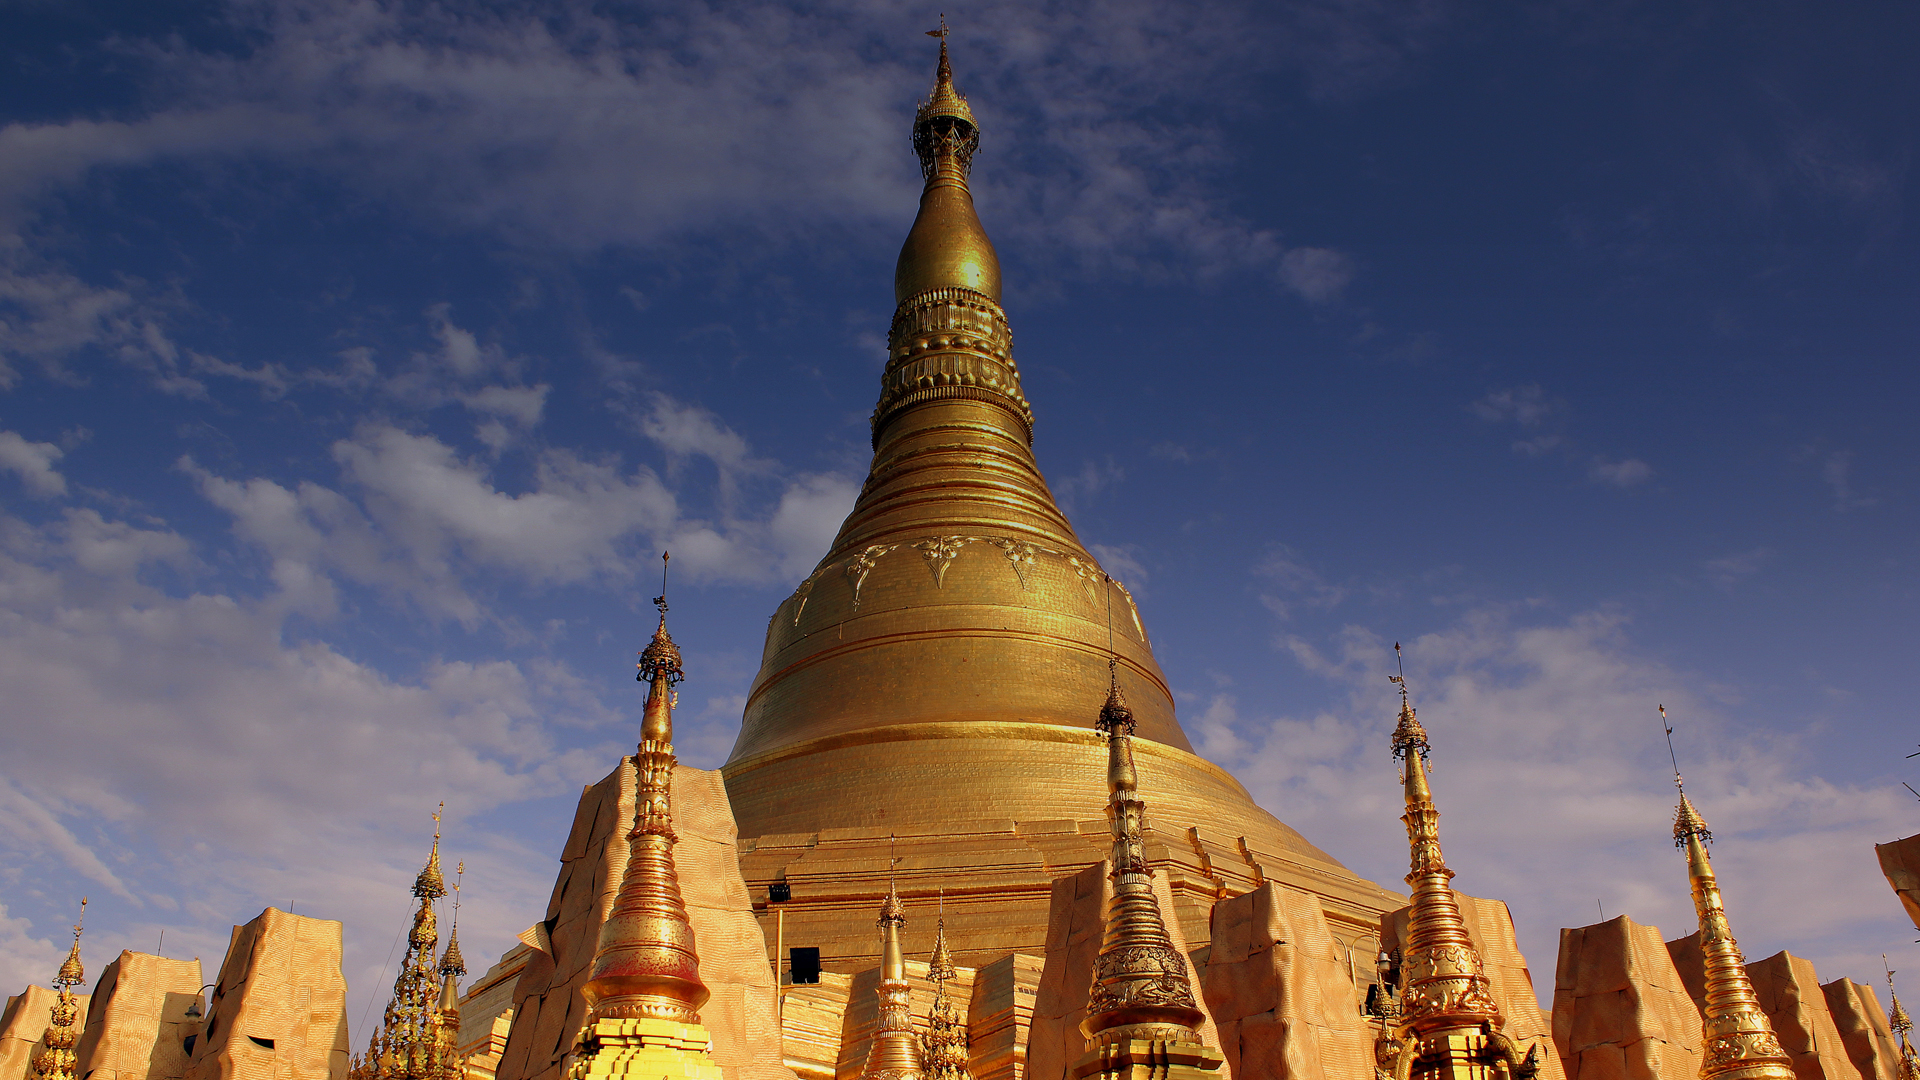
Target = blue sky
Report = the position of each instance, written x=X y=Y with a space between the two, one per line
x=360 y=358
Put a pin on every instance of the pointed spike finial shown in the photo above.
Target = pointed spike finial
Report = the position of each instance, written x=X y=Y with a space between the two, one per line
x=71 y=972
x=1671 y=756
x=1687 y=822
x=660 y=660
x=661 y=601
x=1409 y=738
x=430 y=885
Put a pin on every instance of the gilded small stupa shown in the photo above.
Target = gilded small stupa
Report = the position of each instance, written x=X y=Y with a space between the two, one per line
x=1142 y=1020
x=1445 y=1022
x=1737 y=1041
x=57 y=1060
x=411 y=1043
x=950 y=639
x=452 y=967
x=645 y=993
x=894 y=1053
x=943 y=1049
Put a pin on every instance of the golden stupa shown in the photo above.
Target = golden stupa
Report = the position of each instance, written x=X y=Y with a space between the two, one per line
x=930 y=678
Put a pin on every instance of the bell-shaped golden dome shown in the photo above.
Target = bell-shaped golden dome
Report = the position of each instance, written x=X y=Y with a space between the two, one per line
x=938 y=673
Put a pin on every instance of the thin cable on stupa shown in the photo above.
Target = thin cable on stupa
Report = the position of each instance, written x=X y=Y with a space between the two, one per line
x=407 y=1045
x=1141 y=1016
x=1448 y=1024
x=894 y=1053
x=645 y=992
x=58 y=1061
x=1737 y=1042
x=944 y=1046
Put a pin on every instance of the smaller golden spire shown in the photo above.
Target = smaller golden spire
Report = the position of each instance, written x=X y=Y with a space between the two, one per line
x=645 y=991
x=58 y=1060
x=1141 y=1015
x=1448 y=1023
x=1901 y=1026
x=646 y=965
x=943 y=1048
x=1737 y=1041
x=894 y=1053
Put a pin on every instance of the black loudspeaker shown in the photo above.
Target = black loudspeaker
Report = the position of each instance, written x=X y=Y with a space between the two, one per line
x=803 y=965
x=779 y=892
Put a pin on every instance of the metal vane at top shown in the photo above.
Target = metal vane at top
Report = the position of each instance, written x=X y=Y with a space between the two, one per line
x=660 y=660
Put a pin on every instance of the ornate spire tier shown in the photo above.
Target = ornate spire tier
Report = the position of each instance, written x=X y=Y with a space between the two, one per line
x=1141 y=1016
x=944 y=1046
x=409 y=1043
x=894 y=1053
x=58 y=1060
x=1737 y=1041
x=645 y=993
x=1447 y=1025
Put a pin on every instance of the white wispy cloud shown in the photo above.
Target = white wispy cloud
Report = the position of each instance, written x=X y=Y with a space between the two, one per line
x=1625 y=473
x=568 y=126
x=1730 y=569
x=32 y=463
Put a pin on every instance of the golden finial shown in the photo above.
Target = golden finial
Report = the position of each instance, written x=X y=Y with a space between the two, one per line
x=1737 y=1041
x=1408 y=736
x=71 y=972
x=451 y=962
x=660 y=660
x=943 y=115
x=940 y=964
x=430 y=885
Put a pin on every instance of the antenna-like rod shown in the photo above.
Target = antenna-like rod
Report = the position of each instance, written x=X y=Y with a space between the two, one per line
x=1113 y=658
x=459 y=871
x=1399 y=680
x=661 y=600
x=1671 y=756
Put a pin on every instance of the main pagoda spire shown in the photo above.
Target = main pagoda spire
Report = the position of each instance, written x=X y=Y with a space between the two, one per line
x=645 y=992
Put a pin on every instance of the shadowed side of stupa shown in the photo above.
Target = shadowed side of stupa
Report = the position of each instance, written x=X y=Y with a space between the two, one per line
x=931 y=679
